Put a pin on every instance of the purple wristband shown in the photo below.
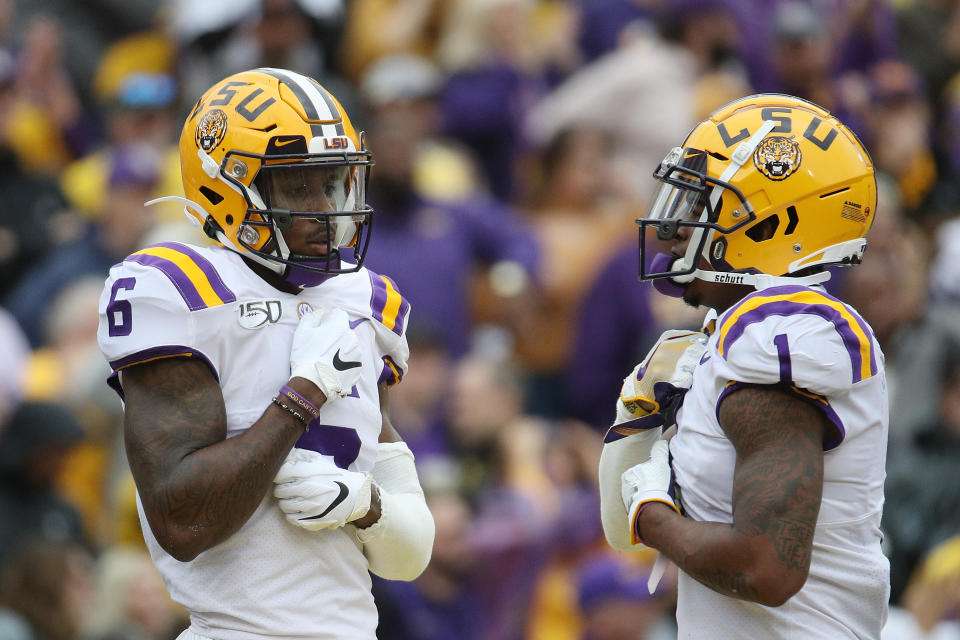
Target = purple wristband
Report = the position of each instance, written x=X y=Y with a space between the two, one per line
x=300 y=402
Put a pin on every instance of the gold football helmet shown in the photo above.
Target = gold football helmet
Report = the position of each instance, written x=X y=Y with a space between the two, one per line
x=774 y=189
x=264 y=147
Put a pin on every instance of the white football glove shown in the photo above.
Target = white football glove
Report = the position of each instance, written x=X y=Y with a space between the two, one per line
x=658 y=384
x=326 y=352
x=650 y=481
x=314 y=493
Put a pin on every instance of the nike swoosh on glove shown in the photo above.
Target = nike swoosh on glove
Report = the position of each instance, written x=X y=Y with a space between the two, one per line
x=326 y=352
x=314 y=493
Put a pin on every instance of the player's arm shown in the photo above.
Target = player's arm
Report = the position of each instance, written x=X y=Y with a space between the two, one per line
x=198 y=487
x=649 y=399
x=764 y=556
x=399 y=543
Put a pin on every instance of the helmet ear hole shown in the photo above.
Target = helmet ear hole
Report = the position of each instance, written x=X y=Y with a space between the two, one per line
x=765 y=229
x=211 y=195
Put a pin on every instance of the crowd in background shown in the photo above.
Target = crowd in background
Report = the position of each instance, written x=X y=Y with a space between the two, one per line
x=514 y=142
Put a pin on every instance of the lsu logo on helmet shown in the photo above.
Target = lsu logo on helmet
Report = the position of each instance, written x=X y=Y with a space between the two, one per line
x=777 y=157
x=211 y=129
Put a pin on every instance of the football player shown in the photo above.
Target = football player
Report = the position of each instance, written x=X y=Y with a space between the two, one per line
x=769 y=495
x=254 y=374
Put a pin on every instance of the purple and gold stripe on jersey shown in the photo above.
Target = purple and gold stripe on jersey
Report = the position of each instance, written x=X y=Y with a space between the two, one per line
x=391 y=374
x=831 y=440
x=194 y=276
x=388 y=306
x=151 y=354
x=795 y=300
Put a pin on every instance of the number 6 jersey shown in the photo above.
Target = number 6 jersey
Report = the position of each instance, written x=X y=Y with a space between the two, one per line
x=270 y=579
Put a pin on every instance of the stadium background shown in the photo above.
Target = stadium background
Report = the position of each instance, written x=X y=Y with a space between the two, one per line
x=514 y=142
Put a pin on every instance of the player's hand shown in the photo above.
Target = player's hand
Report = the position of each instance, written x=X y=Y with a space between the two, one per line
x=647 y=482
x=657 y=385
x=314 y=493
x=326 y=352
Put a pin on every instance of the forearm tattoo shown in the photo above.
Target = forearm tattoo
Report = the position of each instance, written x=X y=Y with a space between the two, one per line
x=778 y=481
x=192 y=481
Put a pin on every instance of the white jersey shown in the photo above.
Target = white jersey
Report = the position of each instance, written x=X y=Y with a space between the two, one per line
x=269 y=579
x=805 y=340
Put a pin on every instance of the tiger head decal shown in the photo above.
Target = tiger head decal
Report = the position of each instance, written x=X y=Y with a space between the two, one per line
x=777 y=157
x=211 y=129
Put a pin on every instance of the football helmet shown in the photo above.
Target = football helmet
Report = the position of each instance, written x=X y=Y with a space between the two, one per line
x=773 y=188
x=264 y=147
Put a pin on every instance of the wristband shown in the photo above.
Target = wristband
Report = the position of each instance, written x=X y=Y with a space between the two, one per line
x=296 y=414
x=300 y=402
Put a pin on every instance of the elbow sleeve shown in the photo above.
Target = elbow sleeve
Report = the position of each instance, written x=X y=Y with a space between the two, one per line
x=618 y=455
x=399 y=544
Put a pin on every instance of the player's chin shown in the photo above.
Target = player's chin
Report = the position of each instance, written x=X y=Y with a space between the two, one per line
x=692 y=298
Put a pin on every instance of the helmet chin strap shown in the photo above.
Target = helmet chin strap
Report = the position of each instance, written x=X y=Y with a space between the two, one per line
x=756 y=280
x=760 y=280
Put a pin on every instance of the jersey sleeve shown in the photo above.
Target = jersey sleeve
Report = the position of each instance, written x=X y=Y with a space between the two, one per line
x=145 y=316
x=391 y=314
x=802 y=340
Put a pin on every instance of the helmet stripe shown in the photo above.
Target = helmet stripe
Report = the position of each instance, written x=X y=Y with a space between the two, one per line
x=316 y=102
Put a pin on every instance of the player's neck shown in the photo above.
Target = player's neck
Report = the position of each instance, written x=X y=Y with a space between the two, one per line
x=270 y=277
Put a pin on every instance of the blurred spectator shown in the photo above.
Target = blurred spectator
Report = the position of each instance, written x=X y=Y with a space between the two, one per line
x=268 y=33
x=864 y=33
x=802 y=53
x=931 y=604
x=50 y=585
x=923 y=492
x=580 y=210
x=929 y=34
x=88 y=28
x=602 y=22
x=13 y=626
x=649 y=88
x=379 y=28
x=418 y=406
x=47 y=124
x=70 y=370
x=617 y=604
x=116 y=233
x=571 y=461
x=846 y=36
x=432 y=246
x=441 y=603
x=615 y=328
x=131 y=602
x=13 y=358
x=949 y=103
x=502 y=456
x=899 y=131
x=891 y=293
x=496 y=75
x=944 y=275
x=139 y=118
x=34 y=215
x=33 y=446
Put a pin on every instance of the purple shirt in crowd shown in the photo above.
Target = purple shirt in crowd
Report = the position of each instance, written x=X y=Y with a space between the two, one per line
x=431 y=249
